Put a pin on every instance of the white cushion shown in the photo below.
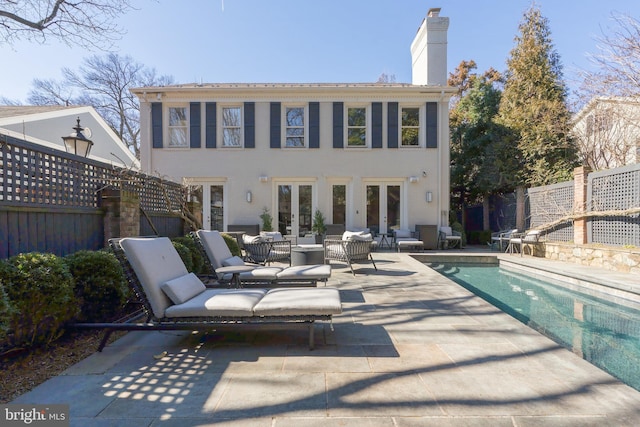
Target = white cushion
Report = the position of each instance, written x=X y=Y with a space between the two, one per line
x=299 y=302
x=350 y=235
x=155 y=261
x=219 y=302
x=183 y=288
x=215 y=247
x=274 y=236
x=251 y=239
x=234 y=260
x=446 y=230
x=402 y=233
x=311 y=272
x=362 y=237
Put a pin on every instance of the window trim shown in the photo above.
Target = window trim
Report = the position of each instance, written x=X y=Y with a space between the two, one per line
x=187 y=126
x=367 y=126
x=284 y=127
x=221 y=125
x=421 y=126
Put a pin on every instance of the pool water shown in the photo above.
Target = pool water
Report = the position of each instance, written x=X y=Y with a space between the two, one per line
x=604 y=333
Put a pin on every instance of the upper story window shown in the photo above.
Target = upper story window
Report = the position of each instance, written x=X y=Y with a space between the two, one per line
x=294 y=125
x=356 y=126
x=410 y=126
x=178 y=127
x=231 y=126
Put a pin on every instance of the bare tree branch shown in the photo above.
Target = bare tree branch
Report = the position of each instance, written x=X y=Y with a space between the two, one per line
x=87 y=23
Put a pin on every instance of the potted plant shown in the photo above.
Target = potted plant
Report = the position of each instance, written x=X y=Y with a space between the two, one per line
x=267 y=219
x=318 y=226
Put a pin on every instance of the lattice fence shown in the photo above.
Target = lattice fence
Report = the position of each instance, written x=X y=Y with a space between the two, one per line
x=550 y=203
x=32 y=175
x=614 y=190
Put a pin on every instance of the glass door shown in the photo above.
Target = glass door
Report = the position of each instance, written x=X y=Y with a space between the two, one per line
x=294 y=208
x=383 y=207
x=211 y=197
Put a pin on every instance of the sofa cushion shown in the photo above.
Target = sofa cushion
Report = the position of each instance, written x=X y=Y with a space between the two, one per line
x=402 y=233
x=247 y=239
x=355 y=235
x=274 y=236
x=299 y=302
x=183 y=288
x=219 y=302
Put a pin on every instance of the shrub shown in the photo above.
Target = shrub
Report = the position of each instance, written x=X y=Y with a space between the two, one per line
x=40 y=287
x=232 y=243
x=100 y=286
x=6 y=311
x=185 y=254
x=196 y=254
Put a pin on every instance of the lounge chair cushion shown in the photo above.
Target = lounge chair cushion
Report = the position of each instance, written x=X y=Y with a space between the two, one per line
x=299 y=302
x=183 y=288
x=234 y=260
x=155 y=261
x=215 y=247
x=311 y=272
x=260 y=274
x=219 y=302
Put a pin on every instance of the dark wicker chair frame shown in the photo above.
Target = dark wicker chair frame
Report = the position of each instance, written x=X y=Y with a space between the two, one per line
x=190 y=323
x=266 y=252
x=349 y=251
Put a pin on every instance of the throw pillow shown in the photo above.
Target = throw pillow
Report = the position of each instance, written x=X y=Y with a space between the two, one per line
x=183 y=288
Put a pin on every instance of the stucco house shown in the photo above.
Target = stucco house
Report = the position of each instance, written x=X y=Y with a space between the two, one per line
x=607 y=131
x=46 y=125
x=370 y=155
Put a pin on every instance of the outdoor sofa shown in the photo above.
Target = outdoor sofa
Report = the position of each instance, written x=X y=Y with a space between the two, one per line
x=173 y=298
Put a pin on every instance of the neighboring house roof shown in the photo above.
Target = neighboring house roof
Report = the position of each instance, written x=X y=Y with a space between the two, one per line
x=46 y=125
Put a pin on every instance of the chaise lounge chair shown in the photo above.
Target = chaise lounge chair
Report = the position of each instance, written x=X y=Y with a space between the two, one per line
x=217 y=254
x=173 y=298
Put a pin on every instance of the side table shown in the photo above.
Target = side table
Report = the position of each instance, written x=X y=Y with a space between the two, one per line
x=235 y=271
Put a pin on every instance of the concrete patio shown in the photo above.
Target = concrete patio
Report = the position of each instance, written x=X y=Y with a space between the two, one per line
x=411 y=348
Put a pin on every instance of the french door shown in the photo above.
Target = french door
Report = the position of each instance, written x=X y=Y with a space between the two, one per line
x=383 y=207
x=211 y=196
x=294 y=208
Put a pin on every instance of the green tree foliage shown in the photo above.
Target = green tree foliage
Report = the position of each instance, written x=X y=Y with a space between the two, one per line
x=534 y=105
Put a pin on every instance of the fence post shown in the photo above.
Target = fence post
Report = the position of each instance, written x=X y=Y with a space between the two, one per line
x=122 y=213
x=580 y=182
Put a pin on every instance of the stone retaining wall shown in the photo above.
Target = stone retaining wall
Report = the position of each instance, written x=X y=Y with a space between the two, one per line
x=610 y=258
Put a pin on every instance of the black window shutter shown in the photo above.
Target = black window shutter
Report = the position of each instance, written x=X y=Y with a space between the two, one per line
x=376 y=120
x=211 y=124
x=194 y=125
x=249 y=125
x=156 y=124
x=432 y=125
x=314 y=125
x=275 y=131
x=338 y=125
x=392 y=128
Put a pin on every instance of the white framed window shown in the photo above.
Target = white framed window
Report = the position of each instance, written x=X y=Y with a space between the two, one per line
x=231 y=126
x=294 y=119
x=357 y=124
x=178 y=127
x=409 y=126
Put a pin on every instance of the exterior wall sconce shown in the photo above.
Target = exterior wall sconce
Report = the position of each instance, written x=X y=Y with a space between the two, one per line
x=413 y=179
x=77 y=143
x=424 y=174
x=429 y=196
x=263 y=178
x=249 y=197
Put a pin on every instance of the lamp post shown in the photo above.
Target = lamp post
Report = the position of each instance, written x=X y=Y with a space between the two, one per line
x=77 y=143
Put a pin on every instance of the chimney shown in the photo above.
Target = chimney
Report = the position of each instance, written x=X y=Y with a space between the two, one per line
x=429 y=51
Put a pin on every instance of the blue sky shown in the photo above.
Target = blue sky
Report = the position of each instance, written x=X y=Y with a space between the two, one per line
x=312 y=41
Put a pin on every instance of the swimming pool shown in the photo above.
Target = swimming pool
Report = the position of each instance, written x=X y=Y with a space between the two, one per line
x=603 y=332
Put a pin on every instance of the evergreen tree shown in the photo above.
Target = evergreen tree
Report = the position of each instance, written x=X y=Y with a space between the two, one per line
x=534 y=105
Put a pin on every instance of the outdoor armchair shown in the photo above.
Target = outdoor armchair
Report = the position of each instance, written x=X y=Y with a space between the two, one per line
x=266 y=248
x=449 y=238
x=350 y=247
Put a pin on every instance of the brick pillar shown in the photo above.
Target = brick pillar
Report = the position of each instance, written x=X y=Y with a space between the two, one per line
x=122 y=214
x=580 y=182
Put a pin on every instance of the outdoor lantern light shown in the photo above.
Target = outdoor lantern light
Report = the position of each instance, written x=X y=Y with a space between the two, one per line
x=429 y=196
x=77 y=143
x=249 y=197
